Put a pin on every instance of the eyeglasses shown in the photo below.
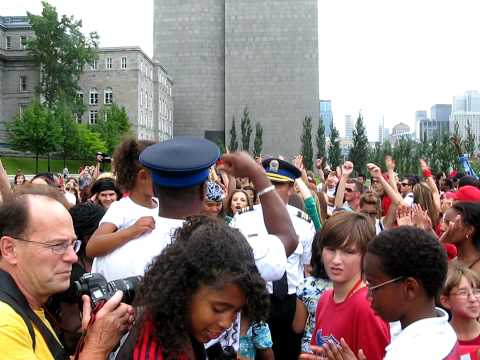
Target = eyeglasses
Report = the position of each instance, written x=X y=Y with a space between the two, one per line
x=369 y=213
x=348 y=190
x=371 y=288
x=465 y=293
x=58 y=248
x=404 y=184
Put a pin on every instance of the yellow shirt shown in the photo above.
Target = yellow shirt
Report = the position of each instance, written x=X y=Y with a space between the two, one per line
x=15 y=340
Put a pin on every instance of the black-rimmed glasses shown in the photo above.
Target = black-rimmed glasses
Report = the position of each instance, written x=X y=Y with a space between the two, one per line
x=59 y=248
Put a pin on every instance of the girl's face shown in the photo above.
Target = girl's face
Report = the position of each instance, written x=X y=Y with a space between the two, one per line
x=20 y=180
x=239 y=201
x=464 y=301
x=213 y=310
x=449 y=218
x=342 y=265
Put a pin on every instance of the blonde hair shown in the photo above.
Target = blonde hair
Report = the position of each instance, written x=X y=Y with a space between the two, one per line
x=422 y=195
x=454 y=276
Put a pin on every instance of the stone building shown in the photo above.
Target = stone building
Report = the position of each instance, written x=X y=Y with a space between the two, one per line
x=121 y=75
x=225 y=55
x=127 y=77
x=18 y=75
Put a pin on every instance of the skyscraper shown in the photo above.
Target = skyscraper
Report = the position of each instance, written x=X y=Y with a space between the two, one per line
x=440 y=114
x=419 y=116
x=225 y=55
x=348 y=127
x=326 y=115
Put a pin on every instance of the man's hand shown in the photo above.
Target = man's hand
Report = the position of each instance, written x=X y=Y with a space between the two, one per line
x=112 y=321
x=240 y=164
x=389 y=163
x=374 y=170
x=423 y=165
x=347 y=169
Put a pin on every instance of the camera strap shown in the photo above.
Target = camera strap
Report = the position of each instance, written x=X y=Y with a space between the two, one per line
x=11 y=295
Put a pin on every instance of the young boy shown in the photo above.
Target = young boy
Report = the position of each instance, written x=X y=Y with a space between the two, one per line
x=461 y=296
x=405 y=269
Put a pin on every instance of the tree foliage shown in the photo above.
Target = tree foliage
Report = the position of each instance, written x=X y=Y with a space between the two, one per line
x=307 y=147
x=246 y=129
x=35 y=130
x=89 y=142
x=469 y=143
x=320 y=138
x=334 y=154
x=112 y=125
x=233 y=137
x=359 y=151
x=61 y=50
x=258 y=142
x=69 y=136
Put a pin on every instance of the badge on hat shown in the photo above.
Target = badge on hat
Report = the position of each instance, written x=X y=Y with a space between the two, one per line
x=273 y=166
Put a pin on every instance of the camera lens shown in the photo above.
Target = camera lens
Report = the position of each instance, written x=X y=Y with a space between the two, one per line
x=128 y=286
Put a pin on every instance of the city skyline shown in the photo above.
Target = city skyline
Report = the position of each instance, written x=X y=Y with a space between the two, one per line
x=385 y=59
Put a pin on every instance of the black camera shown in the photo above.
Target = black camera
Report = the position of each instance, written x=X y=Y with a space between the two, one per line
x=103 y=158
x=95 y=286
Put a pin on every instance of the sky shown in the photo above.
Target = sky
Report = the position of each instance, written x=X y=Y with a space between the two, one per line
x=385 y=58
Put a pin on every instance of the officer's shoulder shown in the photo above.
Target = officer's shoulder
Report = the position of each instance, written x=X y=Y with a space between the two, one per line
x=245 y=210
x=303 y=215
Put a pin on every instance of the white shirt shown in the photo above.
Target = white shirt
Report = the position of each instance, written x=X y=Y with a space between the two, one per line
x=426 y=339
x=125 y=212
x=132 y=258
x=251 y=224
x=408 y=199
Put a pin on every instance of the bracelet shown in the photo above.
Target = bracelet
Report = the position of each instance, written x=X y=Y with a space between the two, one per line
x=427 y=172
x=266 y=190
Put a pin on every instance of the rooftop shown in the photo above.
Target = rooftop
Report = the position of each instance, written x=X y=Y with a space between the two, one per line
x=14 y=22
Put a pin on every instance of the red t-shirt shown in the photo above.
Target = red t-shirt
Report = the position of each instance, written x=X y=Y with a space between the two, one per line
x=355 y=321
x=469 y=346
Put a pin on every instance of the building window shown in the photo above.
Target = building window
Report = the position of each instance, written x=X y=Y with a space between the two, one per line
x=108 y=62
x=23 y=83
x=141 y=97
x=93 y=117
x=78 y=117
x=8 y=42
x=80 y=97
x=108 y=96
x=93 y=65
x=22 y=108
x=124 y=62
x=93 y=96
x=23 y=42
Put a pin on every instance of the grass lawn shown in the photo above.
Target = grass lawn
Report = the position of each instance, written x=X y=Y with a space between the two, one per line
x=27 y=165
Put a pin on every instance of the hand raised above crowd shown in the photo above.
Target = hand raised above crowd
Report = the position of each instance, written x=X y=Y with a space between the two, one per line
x=347 y=169
x=240 y=164
x=389 y=163
x=374 y=170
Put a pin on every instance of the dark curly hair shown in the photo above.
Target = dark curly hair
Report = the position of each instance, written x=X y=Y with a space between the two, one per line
x=126 y=164
x=470 y=212
x=411 y=252
x=205 y=252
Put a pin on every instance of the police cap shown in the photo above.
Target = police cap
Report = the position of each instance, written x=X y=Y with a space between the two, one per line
x=280 y=170
x=180 y=162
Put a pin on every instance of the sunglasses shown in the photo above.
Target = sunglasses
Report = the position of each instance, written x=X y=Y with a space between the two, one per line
x=404 y=184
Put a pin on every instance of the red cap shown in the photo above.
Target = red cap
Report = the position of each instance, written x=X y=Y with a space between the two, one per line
x=467 y=193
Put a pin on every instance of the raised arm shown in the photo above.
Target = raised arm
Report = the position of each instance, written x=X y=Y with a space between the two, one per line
x=376 y=173
x=427 y=175
x=390 y=165
x=5 y=189
x=275 y=215
x=347 y=169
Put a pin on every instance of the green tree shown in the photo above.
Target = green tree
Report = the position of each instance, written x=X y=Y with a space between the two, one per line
x=403 y=154
x=359 y=151
x=307 y=147
x=258 y=142
x=61 y=50
x=69 y=142
x=469 y=142
x=35 y=130
x=246 y=129
x=89 y=142
x=112 y=125
x=233 y=136
x=334 y=153
x=320 y=138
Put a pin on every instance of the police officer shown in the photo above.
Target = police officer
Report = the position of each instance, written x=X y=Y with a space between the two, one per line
x=179 y=168
x=286 y=344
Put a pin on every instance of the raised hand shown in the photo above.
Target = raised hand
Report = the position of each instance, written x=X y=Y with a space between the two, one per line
x=374 y=170
x=404 y=216
x=389 y=162
x=347 y=169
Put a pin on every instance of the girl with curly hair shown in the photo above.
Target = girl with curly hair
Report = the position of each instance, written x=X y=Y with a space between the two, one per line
x=131 y=216
x=193 y=291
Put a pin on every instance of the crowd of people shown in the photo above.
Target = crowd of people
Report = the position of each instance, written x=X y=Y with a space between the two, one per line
x=184 y=253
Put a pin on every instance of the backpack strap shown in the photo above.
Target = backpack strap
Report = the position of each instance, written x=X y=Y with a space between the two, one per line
x=13 y=297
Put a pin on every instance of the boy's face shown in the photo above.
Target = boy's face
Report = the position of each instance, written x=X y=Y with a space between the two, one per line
x=341 y=265
x=387 y=300
x=463 y=301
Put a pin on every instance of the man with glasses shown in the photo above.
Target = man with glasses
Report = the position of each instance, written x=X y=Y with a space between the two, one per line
x=38 y=248
x=406 y=189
